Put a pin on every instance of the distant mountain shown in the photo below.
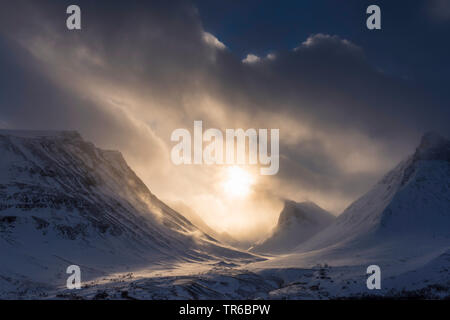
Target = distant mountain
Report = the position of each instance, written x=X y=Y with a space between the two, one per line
x=297 y=223
x=63 y=201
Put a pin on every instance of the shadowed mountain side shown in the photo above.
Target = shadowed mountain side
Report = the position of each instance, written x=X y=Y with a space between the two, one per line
x=297 y=223
x=63 y=201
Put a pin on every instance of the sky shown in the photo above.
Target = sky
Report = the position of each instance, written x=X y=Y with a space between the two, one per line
x=349 y=102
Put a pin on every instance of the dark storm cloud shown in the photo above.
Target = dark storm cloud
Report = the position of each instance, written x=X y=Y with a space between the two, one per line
x=328 y=83
x=31 y=100
x=323 y=90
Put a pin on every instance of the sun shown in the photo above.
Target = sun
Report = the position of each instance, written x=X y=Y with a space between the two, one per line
x=237 y=182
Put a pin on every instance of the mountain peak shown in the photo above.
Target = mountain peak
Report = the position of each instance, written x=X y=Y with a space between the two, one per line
x=433 y=147
x=297 y=223
x=306 y=210
x=431 y=139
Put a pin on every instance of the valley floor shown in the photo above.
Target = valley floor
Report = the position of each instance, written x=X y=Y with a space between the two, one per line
x=229 y=280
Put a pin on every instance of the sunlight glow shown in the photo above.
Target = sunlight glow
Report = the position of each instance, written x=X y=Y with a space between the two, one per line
x=238 y=182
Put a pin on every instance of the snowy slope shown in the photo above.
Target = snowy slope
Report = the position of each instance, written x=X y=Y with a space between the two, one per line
x=297 y=223
x=63 y=201
x=410 y=202
x=402 y=224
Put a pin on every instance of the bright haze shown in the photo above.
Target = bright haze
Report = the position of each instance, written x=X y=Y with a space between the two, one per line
x=349 y=102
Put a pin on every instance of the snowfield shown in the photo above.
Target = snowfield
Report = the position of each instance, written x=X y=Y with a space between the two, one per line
x=63 y=201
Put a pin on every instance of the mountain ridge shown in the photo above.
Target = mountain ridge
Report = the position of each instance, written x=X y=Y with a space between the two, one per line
x=63 y=199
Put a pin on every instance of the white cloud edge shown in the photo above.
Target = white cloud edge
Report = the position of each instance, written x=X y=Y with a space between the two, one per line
x=212 y=40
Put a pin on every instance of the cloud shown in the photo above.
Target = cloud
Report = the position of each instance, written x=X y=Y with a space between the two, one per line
x=322 y=41
x=271 y=56
x=251 y=58
x=213 y=41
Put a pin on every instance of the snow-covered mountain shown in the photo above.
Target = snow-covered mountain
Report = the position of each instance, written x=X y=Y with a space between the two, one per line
x=64 y=201
x=410 y=202
x=402 y=225
x=297 y=223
